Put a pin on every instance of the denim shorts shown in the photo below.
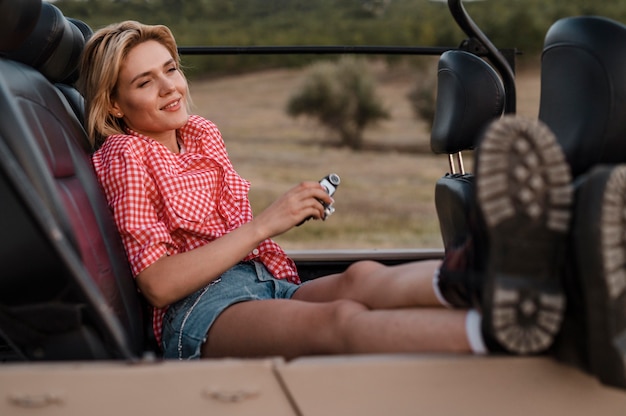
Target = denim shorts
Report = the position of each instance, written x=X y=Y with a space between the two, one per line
x=187 y=322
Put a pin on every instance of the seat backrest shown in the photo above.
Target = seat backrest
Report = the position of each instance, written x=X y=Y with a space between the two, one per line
x=50 y=190
x=583 y=89
x=469 y=95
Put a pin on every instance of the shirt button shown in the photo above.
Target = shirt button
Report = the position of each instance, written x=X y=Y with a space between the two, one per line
x=255 y=251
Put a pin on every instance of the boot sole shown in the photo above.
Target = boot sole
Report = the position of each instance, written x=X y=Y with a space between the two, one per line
x=524 y=192
x=601 y=253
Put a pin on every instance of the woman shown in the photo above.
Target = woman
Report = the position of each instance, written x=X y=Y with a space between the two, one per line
x=218 y=284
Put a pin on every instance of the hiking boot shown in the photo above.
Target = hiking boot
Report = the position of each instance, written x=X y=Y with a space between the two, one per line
x=599 y=275
x=524 y=194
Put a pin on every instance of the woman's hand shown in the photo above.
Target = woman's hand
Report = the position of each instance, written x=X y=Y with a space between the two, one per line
x=297 y=204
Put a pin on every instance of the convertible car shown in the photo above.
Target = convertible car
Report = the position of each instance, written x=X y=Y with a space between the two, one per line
x=74 y=339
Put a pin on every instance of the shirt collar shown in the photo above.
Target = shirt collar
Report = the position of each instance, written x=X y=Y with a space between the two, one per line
x=188 y=131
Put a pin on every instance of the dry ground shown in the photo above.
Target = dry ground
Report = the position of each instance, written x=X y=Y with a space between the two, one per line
x=386 y=197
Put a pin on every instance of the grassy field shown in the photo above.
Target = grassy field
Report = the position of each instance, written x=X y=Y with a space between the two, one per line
x=386 y=196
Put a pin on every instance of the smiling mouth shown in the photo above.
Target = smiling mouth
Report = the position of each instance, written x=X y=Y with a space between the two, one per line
x=171 y=105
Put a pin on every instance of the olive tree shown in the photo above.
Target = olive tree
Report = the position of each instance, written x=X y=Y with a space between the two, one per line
x=423 y=96
x=341 y=96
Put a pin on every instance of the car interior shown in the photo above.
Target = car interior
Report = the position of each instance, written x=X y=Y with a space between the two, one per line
x=66 y=291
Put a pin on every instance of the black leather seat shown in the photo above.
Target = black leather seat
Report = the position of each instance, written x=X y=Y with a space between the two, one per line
x=583 y=89
x=66 y=291
x=469 y=96
x=583 y=100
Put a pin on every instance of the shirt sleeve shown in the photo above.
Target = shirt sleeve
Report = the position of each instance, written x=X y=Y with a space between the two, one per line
x=128 y=188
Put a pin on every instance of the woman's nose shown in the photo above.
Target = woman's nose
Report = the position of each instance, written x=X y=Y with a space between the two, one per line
x=167 y=85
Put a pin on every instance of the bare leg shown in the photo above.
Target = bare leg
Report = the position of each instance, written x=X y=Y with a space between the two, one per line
x=377 y=286
x=292 y=328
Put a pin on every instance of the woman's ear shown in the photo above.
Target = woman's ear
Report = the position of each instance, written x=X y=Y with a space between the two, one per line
x=116 y=111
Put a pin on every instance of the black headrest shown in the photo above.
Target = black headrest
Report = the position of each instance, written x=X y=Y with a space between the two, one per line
x=17 y=20
x=583 y=89
x=469 y=95
x=87 y=33
x=54 y=45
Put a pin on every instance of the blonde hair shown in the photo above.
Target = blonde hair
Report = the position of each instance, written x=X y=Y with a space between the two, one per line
x=99 y=70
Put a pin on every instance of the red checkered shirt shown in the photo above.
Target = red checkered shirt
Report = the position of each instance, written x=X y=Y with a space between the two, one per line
x=166 y=203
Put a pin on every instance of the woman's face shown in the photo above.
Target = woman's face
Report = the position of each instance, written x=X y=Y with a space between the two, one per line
x=151 y=92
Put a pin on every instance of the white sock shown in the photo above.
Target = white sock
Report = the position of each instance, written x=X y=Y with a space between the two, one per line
x=474 y=332
x=437 y=291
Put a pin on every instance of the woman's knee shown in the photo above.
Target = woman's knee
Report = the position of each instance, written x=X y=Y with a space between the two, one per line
x=340 y=323
x=359 y=277
x=360 y=270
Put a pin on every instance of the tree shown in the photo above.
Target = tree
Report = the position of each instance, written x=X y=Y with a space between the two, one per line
x=375 y=7
x=423 y=95
x=341 y=97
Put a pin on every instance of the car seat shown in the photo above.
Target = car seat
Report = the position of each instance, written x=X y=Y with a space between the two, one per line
x=66 y=290
x=583 y=100
x=469 y=96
